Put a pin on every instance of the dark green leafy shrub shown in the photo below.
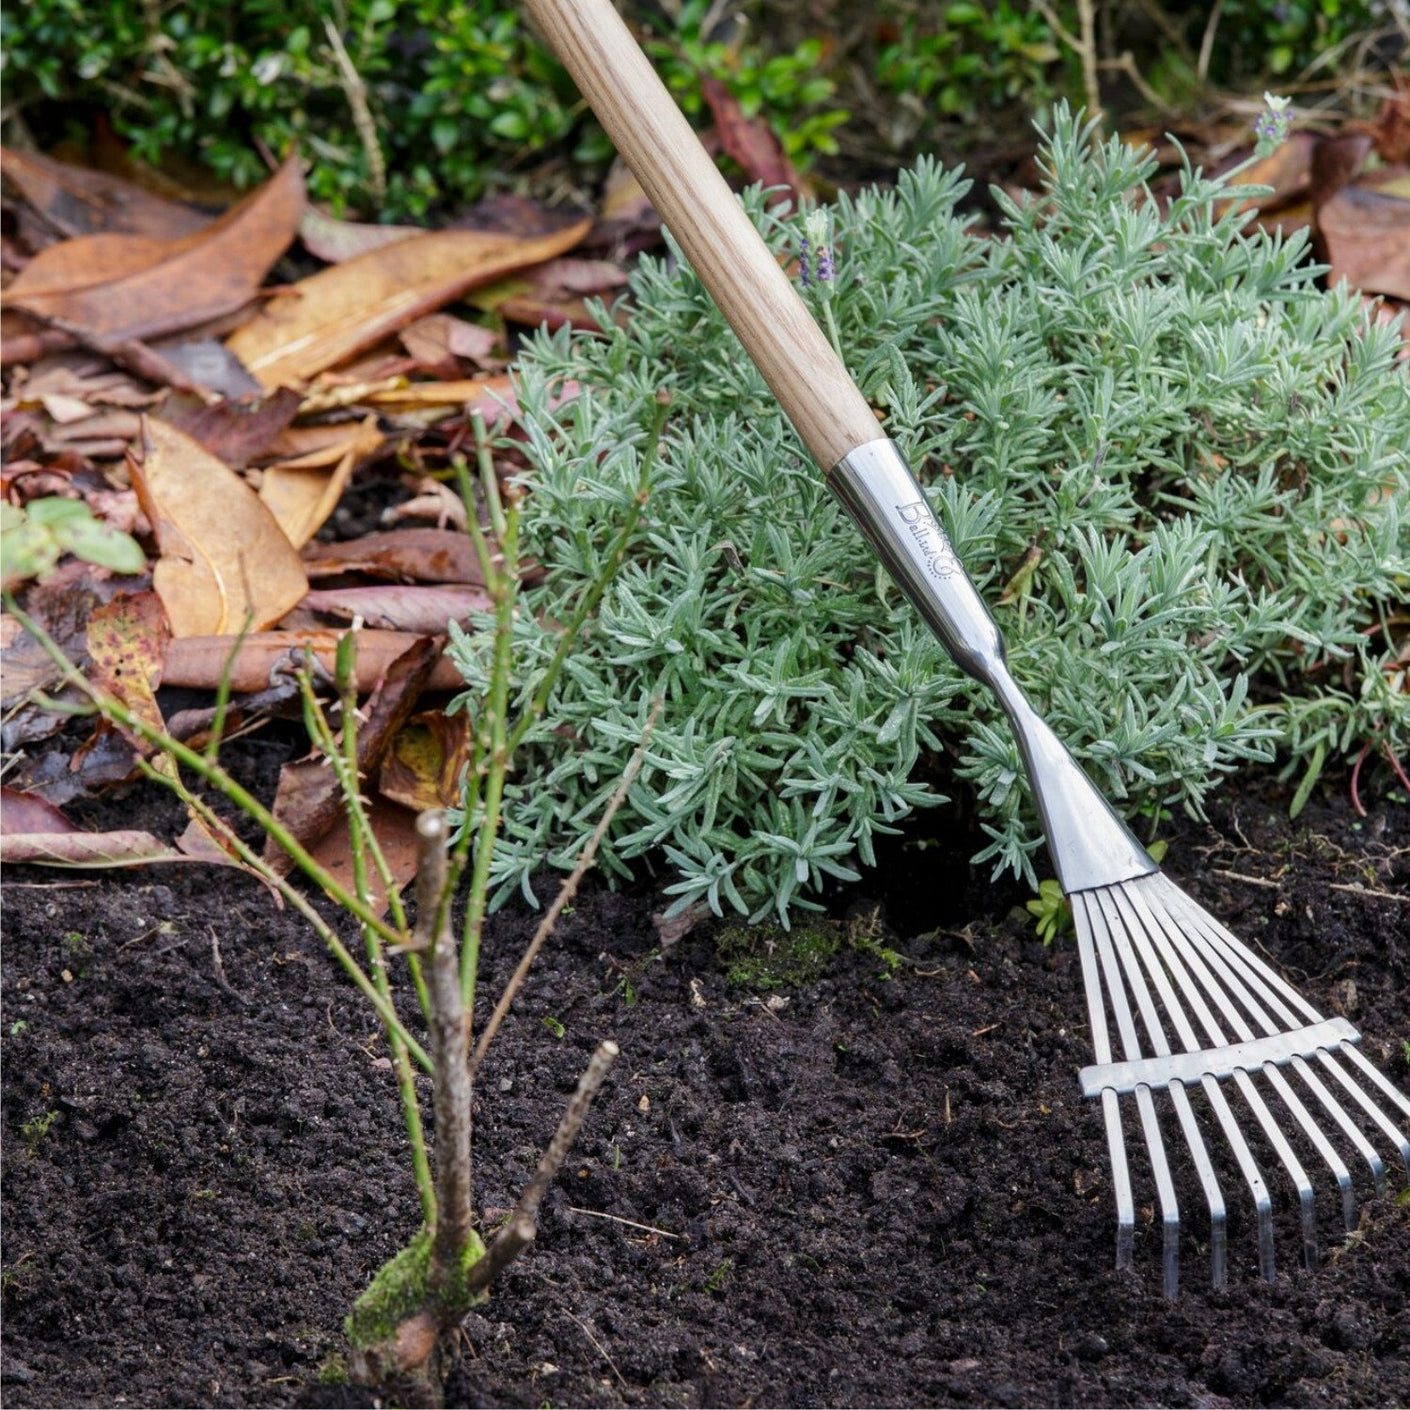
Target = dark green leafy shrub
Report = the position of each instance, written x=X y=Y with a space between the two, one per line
x=460 y=94
x=1185 y=462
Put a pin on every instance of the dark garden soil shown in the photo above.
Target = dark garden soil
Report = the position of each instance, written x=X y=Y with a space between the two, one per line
x=859 y=1190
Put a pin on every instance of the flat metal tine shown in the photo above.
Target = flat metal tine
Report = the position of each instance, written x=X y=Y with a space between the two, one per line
x=1145 y=1104
x=1279 y=1141
x=1315 y=1134
x=1349 y=1128
x=1214 y=976
x=1163 y=929
x=1202 y=926
x=1363 y=1098
x=1241 y=957
x=1381 y=1080
x=1240 y=954
x=1111 y=1103
x=1126 y=927
x=1238 y=1143
x=1155 y=927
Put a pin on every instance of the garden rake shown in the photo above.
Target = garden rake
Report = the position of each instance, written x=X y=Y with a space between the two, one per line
x=1200 y=1018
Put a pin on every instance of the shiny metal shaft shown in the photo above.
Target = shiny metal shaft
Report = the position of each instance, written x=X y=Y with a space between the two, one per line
x=1090 y=845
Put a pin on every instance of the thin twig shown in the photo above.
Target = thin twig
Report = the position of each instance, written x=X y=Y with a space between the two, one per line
x=1352 y=889
x=1248 y=880
x=356 y=91
x=225 y=984
x=1126 y=63
x=601 y=1350
x=586 y=858
x=1206 y=44
x=1084 y=45
x=630 y=1223
x=519 y=1232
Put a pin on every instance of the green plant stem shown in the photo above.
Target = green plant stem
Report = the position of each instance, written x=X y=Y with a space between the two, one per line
x=222 y=691
x=494 y=755
x=364 y=841
x=342 y=758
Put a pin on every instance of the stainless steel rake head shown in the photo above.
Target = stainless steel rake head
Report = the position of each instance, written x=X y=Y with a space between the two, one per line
x=1200 y=1016
x=1196 y=1012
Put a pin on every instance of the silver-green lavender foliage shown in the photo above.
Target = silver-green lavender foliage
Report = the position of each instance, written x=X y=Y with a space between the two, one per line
x=1185 y=463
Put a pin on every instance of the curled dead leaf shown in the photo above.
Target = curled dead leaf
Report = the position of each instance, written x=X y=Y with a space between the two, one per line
x=424 y=766
x=301 y=496
x=251 y=664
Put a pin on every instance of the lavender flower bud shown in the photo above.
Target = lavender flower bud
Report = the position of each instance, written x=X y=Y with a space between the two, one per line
x=1270 y=129
x=819 y=236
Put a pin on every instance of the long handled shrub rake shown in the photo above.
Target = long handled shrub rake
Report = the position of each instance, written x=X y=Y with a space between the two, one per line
x=1197 y=1013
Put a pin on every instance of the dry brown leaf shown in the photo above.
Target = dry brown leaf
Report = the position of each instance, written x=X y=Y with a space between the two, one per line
x=340 y=311
x=301 y=497
x=22 y=812
x=308 y=800
x=124 y=287
x=423 y=767
x=225 y=564
x=127 y=640
x=401 y=607
x=488 y=395
x=1366 y=237
x=753 y=144
x=200 y=662
x=441 y=337
x=335 y=241
x=1288 y=170
x=87 y=849
x=236 y=432
x=554 y=293
x=76 y=200
x=423 y=555
x=395 y=829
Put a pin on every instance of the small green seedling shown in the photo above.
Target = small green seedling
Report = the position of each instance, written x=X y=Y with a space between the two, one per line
x=1052 y=912
x=33 y=1131
x=33 y=539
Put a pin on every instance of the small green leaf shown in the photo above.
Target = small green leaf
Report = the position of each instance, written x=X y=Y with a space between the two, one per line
x=1309 y=780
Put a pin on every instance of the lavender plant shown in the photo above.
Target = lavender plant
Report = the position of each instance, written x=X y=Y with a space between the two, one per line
x=1171 y=462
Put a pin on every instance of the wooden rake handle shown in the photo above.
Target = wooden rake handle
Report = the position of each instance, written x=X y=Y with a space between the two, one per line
x=704 y=216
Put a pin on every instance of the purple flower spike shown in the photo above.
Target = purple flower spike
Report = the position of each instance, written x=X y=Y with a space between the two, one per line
x=1270 y=128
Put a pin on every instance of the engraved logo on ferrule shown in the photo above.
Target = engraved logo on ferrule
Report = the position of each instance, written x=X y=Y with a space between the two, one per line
x=930 y=540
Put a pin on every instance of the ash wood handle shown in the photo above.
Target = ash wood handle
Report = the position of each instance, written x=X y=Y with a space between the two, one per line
x=703 y=214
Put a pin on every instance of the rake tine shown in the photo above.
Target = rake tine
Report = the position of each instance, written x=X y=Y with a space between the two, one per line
x=1145 y=1104
x=1216 y=978
x=1232 y=961
x=1363 y=1098
x=1315 y=1134
x=1134 y=927
x=1349 y=1128
x=1111 y=1105
x=1169 y=956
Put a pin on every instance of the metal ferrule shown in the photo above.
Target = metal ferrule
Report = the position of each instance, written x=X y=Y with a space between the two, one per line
x=1089 y=843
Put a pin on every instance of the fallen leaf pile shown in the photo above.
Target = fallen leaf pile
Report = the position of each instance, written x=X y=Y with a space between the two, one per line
x=222 y=386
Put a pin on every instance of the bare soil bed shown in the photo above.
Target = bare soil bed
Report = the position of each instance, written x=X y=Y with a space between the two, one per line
x=855 y=1190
